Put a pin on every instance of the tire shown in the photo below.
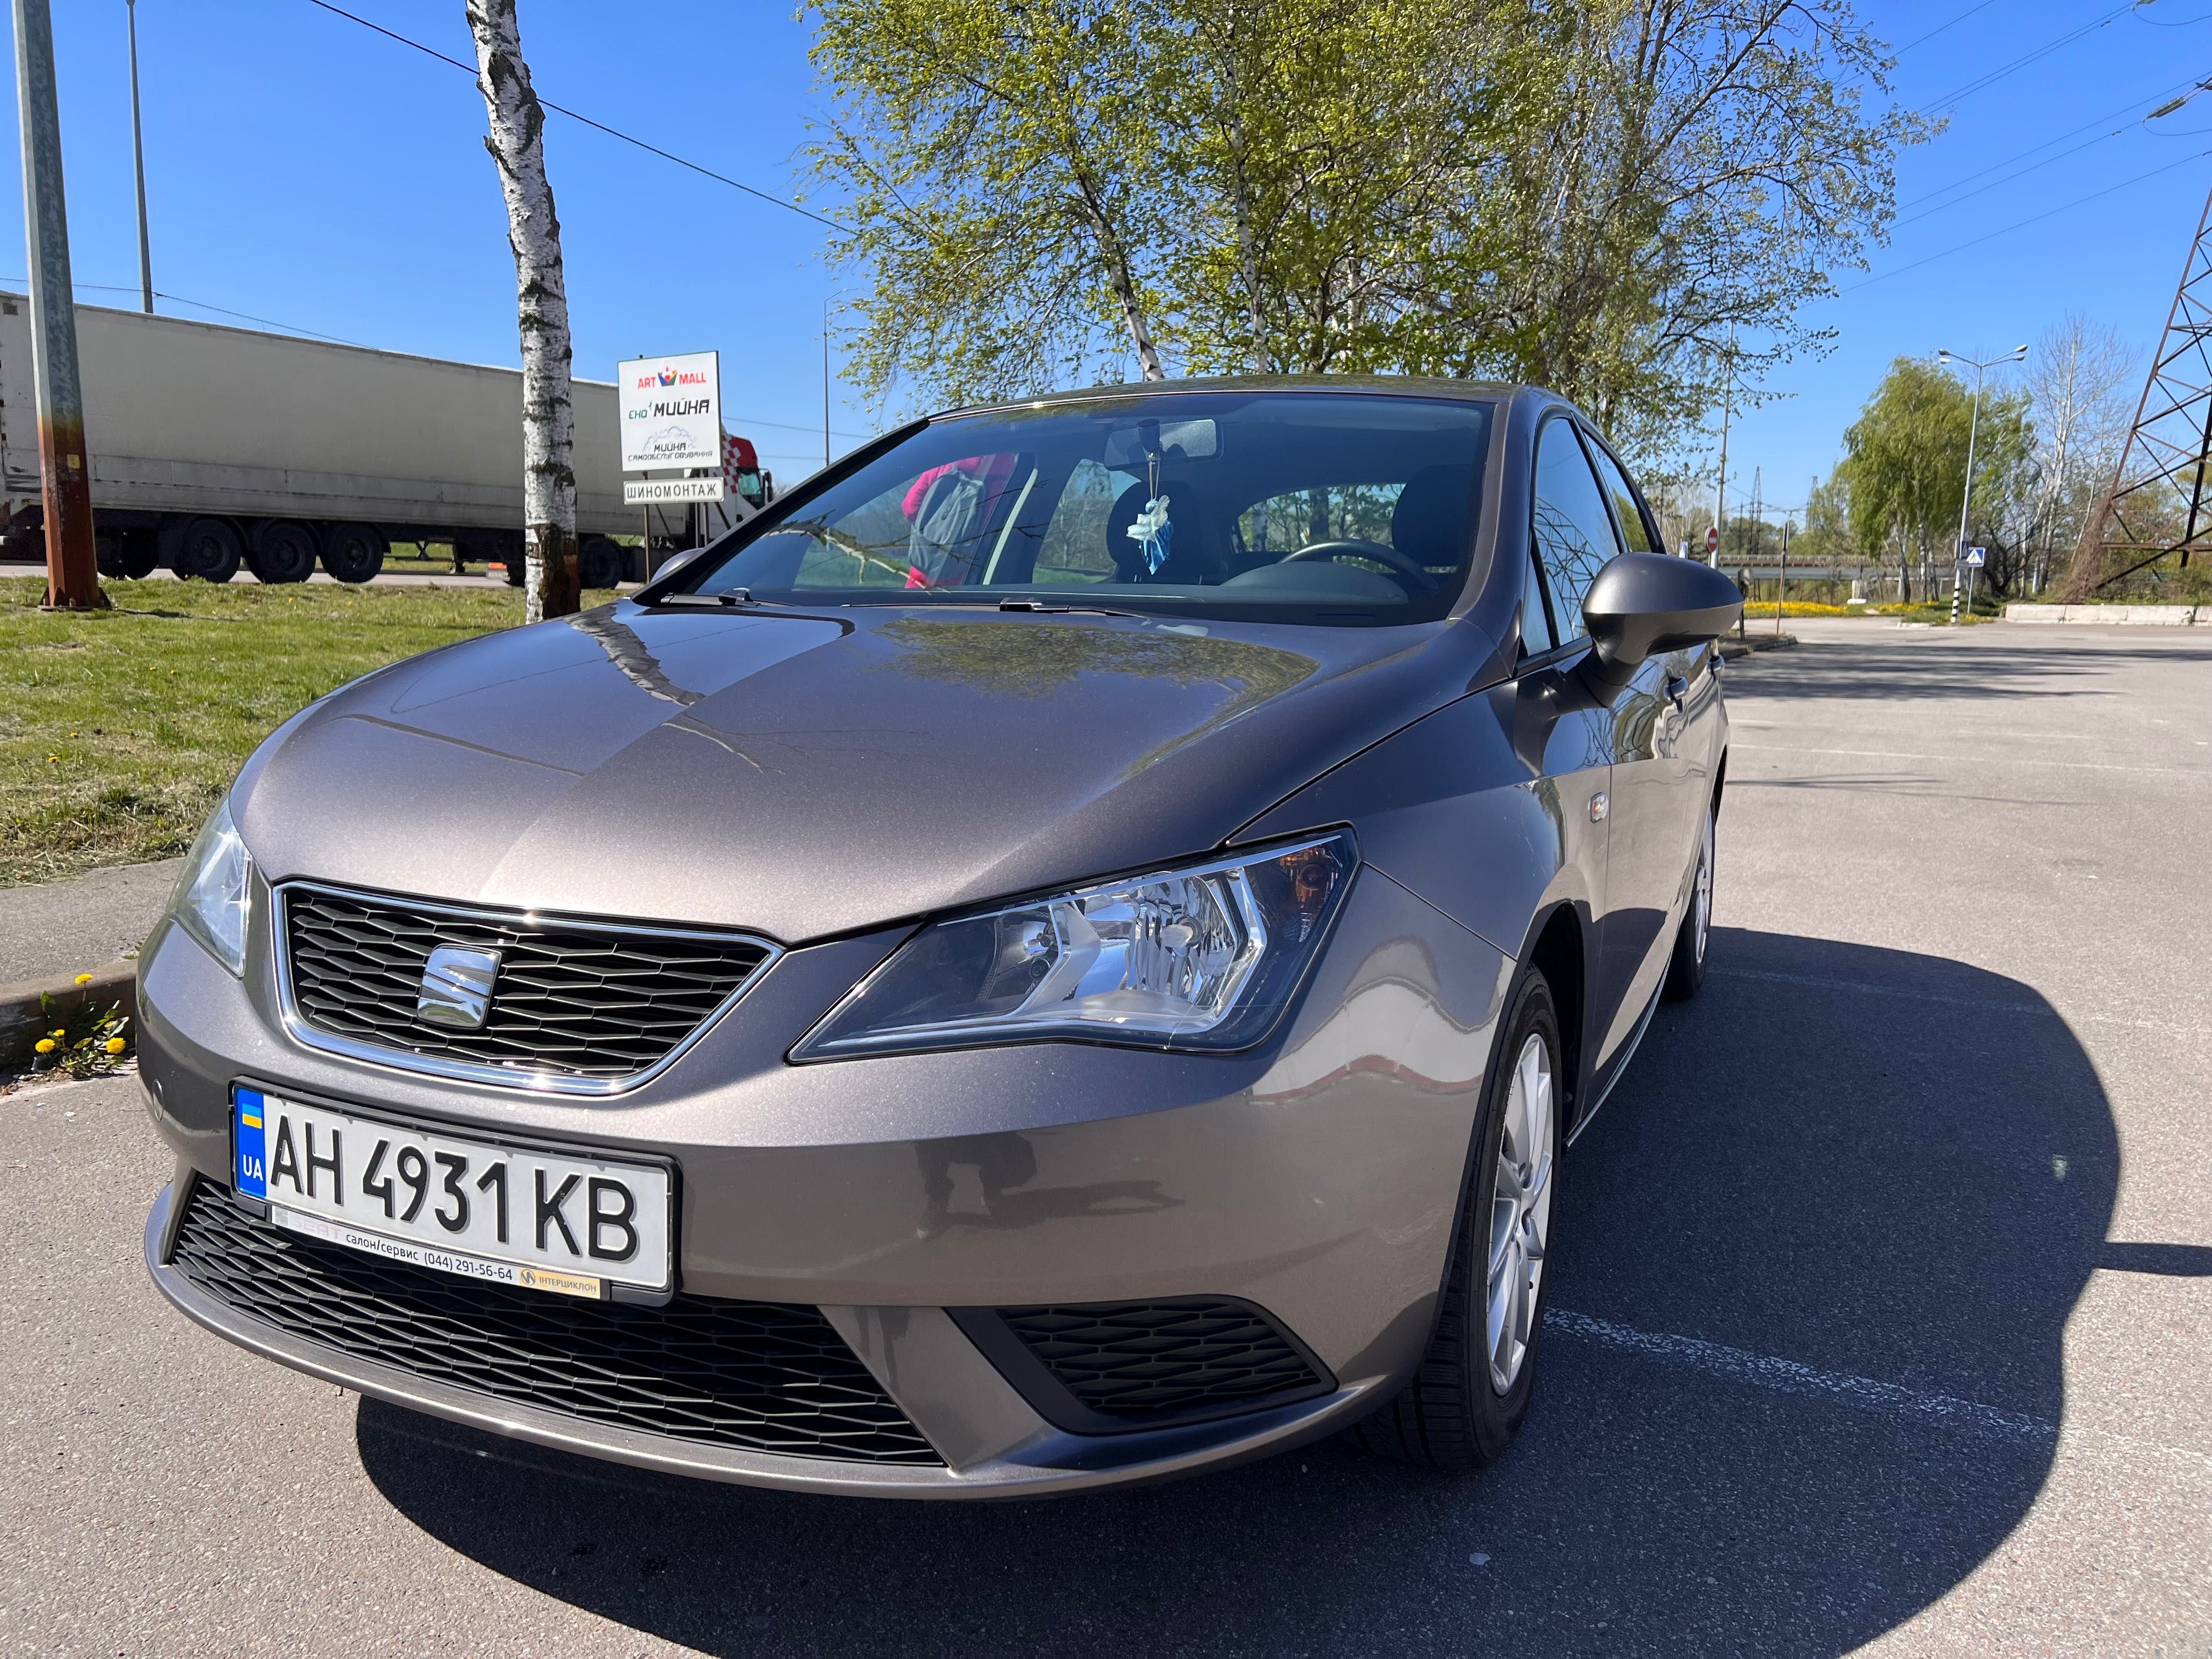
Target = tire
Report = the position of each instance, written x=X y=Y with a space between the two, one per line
x=141 y=554
x=1685 y=969
x=1470 y=1394
x=283 y=551
x=126 y=555
x=599 y=561
x=353 y=553
x=208 y=550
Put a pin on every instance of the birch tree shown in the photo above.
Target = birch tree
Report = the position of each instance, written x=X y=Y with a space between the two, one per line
x=2078 y=377
x=551 y=585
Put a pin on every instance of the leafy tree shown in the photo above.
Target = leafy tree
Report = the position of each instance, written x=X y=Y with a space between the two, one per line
x=1905 y=462
x=1590 y=194
x=1006 y=170
x=1830 y=537
x=2081 y=378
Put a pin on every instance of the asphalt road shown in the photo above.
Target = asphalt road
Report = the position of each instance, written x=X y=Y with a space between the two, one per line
x=1883 y=1305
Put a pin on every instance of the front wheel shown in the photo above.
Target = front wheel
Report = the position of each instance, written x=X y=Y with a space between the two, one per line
x=1466 y=1400
x=1685 y=969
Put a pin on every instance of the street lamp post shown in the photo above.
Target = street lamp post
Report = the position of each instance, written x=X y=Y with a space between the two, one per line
x=138 y=160
x=2018 y=354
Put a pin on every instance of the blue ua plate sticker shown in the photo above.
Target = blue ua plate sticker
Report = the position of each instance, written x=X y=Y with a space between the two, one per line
x=253 y=1169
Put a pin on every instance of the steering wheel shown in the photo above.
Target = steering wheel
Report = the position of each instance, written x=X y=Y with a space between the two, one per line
x=1353 y=547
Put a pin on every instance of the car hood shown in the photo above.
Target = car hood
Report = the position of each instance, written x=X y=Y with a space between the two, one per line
x=803 y=774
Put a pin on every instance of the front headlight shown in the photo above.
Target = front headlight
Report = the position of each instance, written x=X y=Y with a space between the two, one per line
x=1205 y=957
x=215 y=890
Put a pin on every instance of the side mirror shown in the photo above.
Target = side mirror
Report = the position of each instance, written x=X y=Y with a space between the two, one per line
x=1642 y=603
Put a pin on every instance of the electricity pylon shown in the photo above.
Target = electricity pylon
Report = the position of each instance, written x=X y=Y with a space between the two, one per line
x=2166 y=465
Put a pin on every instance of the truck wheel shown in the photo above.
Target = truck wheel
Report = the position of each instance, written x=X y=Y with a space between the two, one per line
x=207 y=549
x=515 y=570
x=282 y=552
x=127 y=555
x=353 y=552
x=599 y=561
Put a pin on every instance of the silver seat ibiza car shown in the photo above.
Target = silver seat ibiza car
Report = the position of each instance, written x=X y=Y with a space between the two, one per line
x=1065 y=951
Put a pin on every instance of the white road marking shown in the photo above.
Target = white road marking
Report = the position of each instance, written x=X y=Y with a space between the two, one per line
x=1985 y=760
x=1788 y=1377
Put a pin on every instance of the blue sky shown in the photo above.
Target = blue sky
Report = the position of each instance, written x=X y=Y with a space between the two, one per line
x=302 y=169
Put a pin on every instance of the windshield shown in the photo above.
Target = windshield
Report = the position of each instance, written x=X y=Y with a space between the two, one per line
x=1288 y=506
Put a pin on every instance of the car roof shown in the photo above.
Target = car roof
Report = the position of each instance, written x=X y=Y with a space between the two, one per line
x=1404 y=385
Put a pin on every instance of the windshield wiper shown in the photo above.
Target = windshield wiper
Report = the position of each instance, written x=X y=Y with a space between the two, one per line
x=1038 y=607
x=730 y=598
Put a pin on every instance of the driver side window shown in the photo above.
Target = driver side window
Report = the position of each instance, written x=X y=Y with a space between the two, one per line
x=1573 y=531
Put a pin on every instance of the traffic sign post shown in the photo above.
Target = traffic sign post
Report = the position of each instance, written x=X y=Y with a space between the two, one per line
x=1969 y=560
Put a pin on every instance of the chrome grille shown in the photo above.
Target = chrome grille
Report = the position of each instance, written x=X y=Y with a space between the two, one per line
x=586 y=1006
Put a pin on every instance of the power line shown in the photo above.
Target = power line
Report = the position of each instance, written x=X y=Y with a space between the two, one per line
x=2021 y=155
x=1939 y=28
x=2017 y=63
x=2023 y=223
x=202 y=305
x=574 y=115
x=1945 y=207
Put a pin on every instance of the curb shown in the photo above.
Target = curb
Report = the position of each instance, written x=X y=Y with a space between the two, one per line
x=2111 y=615
x=23 y=1017
x=1732 y=649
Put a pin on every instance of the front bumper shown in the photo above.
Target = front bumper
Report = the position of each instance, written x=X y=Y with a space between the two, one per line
x=1317 y=1178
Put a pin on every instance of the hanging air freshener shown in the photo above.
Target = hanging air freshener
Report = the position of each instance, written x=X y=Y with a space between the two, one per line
x=1154 y=533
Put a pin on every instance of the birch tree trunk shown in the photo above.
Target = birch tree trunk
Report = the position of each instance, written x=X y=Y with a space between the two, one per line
x=550 y=585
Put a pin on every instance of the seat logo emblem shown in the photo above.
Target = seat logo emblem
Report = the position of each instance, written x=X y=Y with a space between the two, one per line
x=456 y=990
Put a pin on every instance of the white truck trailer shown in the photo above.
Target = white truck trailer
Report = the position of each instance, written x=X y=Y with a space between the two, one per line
x=214 y=447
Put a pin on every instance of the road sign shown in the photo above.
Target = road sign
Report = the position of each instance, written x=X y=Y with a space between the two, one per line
x=1712 y=539
x=672 y=412
x=1977 y=557
x=652 y=492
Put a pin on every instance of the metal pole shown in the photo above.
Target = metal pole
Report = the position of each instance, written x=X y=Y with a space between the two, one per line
x=1782 y=587
x=825 y=382
x=72 y=574
x=138 y=160
x=1720 y=483
x=1965 y=495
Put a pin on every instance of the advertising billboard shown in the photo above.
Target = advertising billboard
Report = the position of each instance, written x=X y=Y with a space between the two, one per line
x=672 y=411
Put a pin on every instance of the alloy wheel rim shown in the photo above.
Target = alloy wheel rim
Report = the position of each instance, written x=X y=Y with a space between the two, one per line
x=1520 y=1213
x=1705 y=900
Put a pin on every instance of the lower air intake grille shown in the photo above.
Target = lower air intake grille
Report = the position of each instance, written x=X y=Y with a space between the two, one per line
x=1141 y=1363
x=754 y=1375
x=568 y=998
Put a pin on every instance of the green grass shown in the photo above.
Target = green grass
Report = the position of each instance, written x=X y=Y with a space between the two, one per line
x=120 y=730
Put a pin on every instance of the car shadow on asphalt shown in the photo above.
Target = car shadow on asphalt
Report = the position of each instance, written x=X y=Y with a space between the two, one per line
x=1815 y=1255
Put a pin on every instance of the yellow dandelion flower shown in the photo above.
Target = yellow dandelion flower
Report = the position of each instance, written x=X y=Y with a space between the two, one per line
x=57 y=1031
x=116 y=1045
x=44 y=1045
x=84 y=979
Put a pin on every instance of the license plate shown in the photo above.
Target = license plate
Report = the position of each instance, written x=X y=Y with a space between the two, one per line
x=548 y=1221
